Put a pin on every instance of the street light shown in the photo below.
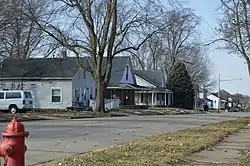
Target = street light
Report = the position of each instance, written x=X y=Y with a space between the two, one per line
x=219 y=89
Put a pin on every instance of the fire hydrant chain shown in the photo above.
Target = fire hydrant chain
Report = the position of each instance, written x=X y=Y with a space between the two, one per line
x=12 y=147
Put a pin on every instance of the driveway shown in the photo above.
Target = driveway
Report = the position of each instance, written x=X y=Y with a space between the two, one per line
x=60 y=138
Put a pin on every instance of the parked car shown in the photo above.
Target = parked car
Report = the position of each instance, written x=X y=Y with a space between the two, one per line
x=16 y=101
x=234 y=109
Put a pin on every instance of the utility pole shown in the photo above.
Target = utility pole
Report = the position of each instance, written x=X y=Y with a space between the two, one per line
x=219 y=96
x=219 y=100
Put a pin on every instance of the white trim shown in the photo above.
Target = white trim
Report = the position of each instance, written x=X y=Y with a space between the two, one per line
x=56 y=88
x=76 y=73
x=151 y=84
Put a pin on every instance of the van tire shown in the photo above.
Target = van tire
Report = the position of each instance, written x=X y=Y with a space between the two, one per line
x=13 y=109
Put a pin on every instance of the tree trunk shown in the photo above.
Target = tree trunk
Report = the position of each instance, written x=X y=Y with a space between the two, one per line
x=100 y=91
x=248 y=66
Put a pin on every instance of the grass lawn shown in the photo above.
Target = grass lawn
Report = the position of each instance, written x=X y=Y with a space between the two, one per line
x=166 y=149
x=245 y=161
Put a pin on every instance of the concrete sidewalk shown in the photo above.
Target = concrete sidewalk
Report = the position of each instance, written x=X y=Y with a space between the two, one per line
x=227 y=153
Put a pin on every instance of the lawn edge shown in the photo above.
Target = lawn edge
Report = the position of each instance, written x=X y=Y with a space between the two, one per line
x=218 y=140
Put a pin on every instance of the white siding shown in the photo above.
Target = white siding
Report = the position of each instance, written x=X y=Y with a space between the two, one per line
x=215 y=102
x=130 y=79
x=142 y=82
x=42 y=92
x=85 y=84
x=201 y=95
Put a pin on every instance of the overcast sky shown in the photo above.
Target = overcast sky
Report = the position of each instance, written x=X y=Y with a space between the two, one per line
x=228 y=66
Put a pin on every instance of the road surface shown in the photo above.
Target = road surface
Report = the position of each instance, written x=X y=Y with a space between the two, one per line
x=55 y=139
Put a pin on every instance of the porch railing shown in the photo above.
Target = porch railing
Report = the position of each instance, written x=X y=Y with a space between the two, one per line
x=109 y=104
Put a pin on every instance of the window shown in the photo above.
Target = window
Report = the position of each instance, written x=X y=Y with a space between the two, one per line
x=13 y=95
x=13 y=86
x=84 y=94
x=91 y=93
x=158 y=97
x=27 y=95
x=77 y=94
x=84 y=74
x=142 y=97
x=56 y=95
x=127 y=73
x=2 y=95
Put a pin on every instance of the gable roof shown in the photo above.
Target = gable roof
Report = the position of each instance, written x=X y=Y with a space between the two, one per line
x=155 y=77
x=39 y=67
x=223 y=94
x=118 y=67
x=56 y=67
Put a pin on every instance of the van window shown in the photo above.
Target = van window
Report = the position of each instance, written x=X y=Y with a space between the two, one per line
x=27 y=95
x=1 y=95
x=30 y=96
x=13 y=95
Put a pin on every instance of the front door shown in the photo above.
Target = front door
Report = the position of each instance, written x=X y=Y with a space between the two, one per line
x=128 y=97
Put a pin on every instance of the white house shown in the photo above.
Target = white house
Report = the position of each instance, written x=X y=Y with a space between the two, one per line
x=156 y=93
x=58 y=83
x=214 y=101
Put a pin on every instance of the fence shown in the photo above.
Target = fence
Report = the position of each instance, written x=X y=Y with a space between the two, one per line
x=109 y=104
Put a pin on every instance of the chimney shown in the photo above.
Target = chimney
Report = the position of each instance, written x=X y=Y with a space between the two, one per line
x=64 y=52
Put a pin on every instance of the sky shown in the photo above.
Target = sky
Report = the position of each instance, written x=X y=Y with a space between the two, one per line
x=227 y=66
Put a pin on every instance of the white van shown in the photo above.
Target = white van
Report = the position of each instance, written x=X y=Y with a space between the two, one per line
x=15 y=100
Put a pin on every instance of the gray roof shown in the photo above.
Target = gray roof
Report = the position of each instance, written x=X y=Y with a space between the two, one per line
x=39 y=67
x=155 y=77
x=56 y=67
x=223 y=94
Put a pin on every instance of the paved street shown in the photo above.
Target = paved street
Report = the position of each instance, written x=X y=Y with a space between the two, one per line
x=60 y=138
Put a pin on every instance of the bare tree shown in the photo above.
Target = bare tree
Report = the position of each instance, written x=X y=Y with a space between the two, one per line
x=150 y=54
x=177 y=42
x=100 y=29
x=199 y=65
x=5 y=14
x=234 y=28
x=21 y=37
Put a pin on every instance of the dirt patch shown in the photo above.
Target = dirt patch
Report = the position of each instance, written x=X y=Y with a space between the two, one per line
x=6 y=117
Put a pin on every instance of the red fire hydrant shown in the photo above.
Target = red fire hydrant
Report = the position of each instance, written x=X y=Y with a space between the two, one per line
x=12 y=147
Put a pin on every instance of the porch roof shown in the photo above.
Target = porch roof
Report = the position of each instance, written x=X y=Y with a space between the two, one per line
x=162 y=90
x=128 y=87
x=141 y=88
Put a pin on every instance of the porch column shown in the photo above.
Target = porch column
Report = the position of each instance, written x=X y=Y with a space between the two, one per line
x=165 y=99
x=111 y=97
x=147 y=98
x=169 y=99
x=122 y=99
x=152 y=98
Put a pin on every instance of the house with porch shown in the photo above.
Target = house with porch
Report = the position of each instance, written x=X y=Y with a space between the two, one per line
x=58 y=83
x=226 y=100
x=213 y=102
x=156 y=93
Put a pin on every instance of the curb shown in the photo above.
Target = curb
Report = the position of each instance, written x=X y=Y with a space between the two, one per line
x=23 y=120
x=98 y=150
